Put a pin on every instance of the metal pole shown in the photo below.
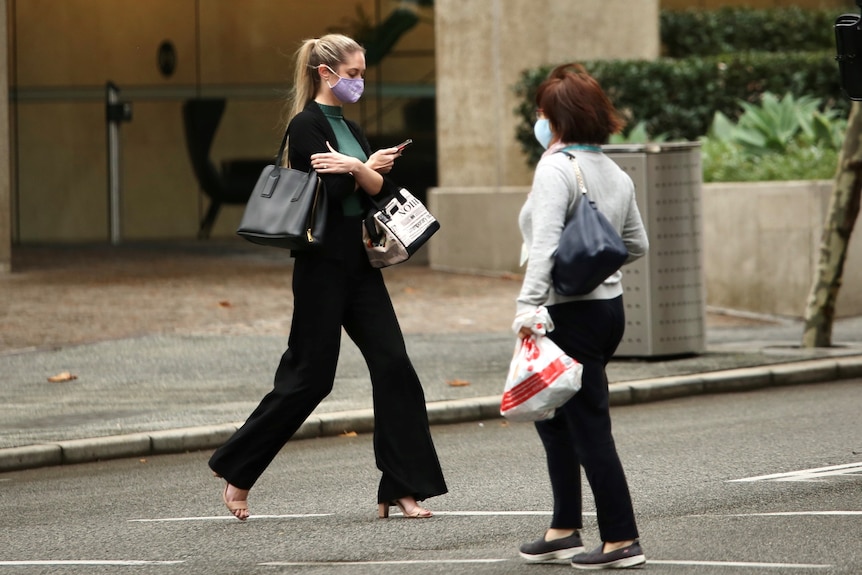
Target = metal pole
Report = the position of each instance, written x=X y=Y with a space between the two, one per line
x=113 y=97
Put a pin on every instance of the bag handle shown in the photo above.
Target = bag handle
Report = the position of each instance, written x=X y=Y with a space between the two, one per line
x=380 y=204
x=370 y=222
x=582 y=187
x=279 y=157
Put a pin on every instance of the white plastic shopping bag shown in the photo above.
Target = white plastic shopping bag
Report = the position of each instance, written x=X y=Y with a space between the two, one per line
x=541 y=379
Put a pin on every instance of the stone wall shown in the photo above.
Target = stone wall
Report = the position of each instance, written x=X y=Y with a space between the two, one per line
x=761 y=242
x=482 y=48
x=762 y=246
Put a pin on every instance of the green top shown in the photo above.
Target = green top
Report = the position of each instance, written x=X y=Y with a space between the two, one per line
x=347 y=145
x=584 y=147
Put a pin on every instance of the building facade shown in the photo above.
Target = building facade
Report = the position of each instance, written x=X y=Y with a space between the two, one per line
x=455 y=60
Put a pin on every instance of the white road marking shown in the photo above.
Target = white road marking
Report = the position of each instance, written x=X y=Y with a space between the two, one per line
x=815 y=474
x=118 y=563
x=363 y=563
x=228 y=518
x=132 y=563
x=737 y=564
x=786 y=514
x=741 y=564
x=493 y=513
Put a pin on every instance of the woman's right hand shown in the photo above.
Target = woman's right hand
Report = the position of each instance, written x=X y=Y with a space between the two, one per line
x=383 y=160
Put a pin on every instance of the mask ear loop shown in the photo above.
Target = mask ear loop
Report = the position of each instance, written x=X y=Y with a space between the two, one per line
x=317 y=69
x=334 y=73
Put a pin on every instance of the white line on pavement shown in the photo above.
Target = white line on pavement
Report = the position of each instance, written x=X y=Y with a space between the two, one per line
x=492 y=513
x=306 y=515
x=786 y=514
x=132 y=563
x=119 y=563
x=807 y=474
x=741 y=564
x=228 y=518
x=354 y=563
x=737 y=564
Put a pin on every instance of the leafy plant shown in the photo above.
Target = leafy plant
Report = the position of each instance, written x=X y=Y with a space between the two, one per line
x=773 y=124
x=779 y=139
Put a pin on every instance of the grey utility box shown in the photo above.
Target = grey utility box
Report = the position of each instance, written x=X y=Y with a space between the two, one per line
x=664 y=291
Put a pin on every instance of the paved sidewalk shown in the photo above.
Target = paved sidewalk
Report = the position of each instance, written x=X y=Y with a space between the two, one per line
x=172 y=345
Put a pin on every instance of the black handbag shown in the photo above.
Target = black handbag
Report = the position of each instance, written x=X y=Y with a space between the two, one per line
x=287 y=208
x=590 y=248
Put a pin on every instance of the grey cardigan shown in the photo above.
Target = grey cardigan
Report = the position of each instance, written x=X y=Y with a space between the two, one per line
x=548 y=208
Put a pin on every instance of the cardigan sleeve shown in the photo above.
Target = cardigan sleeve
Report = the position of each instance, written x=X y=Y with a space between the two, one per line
x=308 y=136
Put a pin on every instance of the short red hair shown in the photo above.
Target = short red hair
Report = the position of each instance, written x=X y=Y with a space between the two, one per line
x=577 y=108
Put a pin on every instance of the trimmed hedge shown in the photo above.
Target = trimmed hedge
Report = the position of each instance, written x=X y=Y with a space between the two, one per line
x=688 y=33
x=679 y=97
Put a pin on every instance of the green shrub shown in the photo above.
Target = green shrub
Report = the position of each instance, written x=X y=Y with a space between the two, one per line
x=735 y=29
x=725 y=162
x=679 y=97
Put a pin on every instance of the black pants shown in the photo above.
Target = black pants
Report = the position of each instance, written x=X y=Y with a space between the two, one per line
x=329 y=294
x=580 y=432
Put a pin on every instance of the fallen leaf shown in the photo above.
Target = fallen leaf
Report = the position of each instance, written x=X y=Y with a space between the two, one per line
x=142 y=460
x=224 y=303
x=458 y=382
x=62 y=376
x=349 y=434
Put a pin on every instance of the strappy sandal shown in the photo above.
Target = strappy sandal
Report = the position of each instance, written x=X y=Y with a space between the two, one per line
x=234 y=506
x=418 y=512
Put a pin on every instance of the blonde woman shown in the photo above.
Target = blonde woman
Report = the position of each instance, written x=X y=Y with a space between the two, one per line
x=335 y=287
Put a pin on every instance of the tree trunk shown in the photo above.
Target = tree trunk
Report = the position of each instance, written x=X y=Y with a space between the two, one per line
x=843 y=210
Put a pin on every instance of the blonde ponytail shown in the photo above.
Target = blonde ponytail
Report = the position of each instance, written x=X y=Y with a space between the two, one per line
x=304 y=85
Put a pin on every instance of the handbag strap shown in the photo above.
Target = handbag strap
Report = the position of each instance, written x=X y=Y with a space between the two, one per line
x=582 y=187
x=381 y=200
x=280 y=156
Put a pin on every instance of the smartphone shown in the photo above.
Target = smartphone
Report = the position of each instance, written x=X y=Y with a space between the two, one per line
x=404 y=144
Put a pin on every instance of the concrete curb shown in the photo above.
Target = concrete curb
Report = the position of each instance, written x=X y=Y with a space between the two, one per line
x=441 y=412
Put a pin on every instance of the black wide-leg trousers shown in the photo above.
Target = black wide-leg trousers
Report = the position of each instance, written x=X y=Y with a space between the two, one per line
x=579 y=434
x=329 y=294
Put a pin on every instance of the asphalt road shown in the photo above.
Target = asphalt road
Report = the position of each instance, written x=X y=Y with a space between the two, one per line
x=315 y=507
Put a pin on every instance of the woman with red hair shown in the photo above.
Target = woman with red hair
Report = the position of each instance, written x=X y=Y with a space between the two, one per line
x=574 y=118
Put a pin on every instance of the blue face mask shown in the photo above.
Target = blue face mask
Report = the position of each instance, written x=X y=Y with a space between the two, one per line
x=543 y=133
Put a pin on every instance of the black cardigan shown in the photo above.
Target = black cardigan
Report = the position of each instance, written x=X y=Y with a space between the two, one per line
x=309 y=131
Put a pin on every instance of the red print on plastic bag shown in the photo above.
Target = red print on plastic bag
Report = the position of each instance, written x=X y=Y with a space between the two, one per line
x=541 y=379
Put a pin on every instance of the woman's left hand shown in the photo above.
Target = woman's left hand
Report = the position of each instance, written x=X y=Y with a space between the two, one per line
x=333 y=162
